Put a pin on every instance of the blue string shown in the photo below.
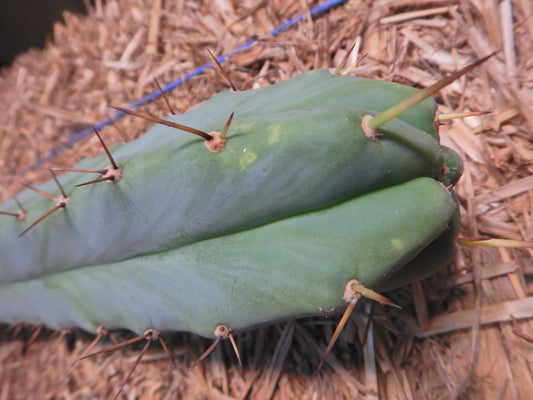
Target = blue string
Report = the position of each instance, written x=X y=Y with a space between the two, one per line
x=322 y=8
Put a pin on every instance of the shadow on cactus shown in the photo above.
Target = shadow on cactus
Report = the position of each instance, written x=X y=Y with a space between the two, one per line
x=302 y=193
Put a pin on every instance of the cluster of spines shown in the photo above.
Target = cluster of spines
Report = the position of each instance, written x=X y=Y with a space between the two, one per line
x=113 y=173
x=214 y=141
x=20 y=215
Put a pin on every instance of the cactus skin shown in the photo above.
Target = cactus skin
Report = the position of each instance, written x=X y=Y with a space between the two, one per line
x=188 y=239
x=199 y=286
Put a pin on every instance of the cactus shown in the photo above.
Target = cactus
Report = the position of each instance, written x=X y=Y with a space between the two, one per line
x=270 y=227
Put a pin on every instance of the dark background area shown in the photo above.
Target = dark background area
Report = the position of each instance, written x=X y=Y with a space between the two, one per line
x=28 y=23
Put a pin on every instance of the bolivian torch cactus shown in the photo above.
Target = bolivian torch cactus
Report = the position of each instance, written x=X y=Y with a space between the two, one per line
x=262 y=219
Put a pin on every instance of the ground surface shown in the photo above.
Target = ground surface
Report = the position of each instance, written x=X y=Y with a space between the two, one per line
x=466 y=333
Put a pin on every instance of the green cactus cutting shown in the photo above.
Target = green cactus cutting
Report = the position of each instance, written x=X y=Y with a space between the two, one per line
x=269 y=226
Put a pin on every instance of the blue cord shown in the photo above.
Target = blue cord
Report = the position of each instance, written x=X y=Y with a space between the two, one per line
x=274 y=32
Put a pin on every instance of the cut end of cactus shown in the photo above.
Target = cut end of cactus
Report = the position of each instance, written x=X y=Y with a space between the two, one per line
x=371 y=134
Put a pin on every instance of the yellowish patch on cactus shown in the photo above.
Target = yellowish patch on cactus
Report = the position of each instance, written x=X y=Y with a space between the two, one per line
x=247 y=159
x=274 y=135
x=397 y=243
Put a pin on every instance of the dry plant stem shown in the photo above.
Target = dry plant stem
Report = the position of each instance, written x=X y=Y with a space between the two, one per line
x=524 y=336
x=414 y=15
x=508 y=37
x=161 y=121
x=154 y=27
x=369 y=354
x=370 y=316
x=272 y=371
x=482 y=242
x=490 y=314
x=475 y=321
x=450 y=116
x=496 y=72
